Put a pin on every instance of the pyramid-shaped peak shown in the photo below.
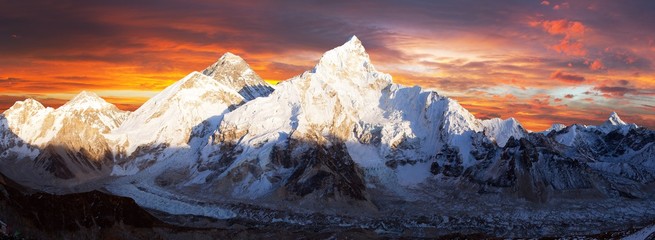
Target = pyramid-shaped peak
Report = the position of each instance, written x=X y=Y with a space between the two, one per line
x=615 y=120
x=86 y=100
x=229 y=62
x=355 y=42
x=231 y=57
x=87 y=95
x=232 y=71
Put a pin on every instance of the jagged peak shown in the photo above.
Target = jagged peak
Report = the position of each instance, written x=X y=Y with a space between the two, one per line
x=614 y=120
x=350 y=56
x=556 y=127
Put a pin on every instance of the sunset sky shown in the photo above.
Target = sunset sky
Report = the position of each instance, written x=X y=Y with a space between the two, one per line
x=541 y=62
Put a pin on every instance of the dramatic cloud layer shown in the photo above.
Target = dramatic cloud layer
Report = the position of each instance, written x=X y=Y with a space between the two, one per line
x=539 y=61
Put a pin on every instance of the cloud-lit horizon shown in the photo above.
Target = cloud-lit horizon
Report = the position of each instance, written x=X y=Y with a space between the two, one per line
x=541 y=62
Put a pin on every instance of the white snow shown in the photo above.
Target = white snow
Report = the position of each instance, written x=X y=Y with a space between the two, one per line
x=502 y=130
x=171 y=116
x=614 y=122
x=568 y=138
x=38 y=125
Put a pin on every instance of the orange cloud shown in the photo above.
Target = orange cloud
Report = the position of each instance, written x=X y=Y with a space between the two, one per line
x=570 y=47
x=564 y=27
x=573 y=32
x=596 y=65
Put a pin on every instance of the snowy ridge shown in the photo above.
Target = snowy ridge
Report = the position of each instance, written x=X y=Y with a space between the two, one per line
x=501 y=130
x=170 y=116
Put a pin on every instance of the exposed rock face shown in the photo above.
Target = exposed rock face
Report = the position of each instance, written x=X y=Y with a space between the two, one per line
x=327 y=172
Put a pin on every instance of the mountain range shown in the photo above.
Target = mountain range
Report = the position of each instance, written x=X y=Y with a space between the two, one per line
x=340 y=145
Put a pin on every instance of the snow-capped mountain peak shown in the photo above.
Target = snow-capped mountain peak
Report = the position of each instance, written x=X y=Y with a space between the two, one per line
x=227 y=60
x=555 y=127
x=614 y=120
x=232 y=71
x=29 y=103
x=502 y=130
x=26 y=113
x=86 y=100
x=349 y=57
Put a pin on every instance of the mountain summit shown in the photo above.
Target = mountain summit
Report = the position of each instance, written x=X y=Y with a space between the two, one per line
x=614 y=120
x=232 y=71
x=86 y=100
